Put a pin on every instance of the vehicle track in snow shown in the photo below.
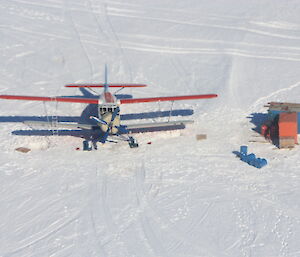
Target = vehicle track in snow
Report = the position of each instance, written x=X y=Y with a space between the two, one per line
x=271 y=97
x=208 y=50
x=153 y=242
x=119 y=44
x=245 y=224
x=218 y=43
x=69 y=15
x=94 y=206
x=113 y=233
x=232 y=50
x=32 y=11
x=199 y=24
x=98 y=11
x=45 y=233
x=151 y=216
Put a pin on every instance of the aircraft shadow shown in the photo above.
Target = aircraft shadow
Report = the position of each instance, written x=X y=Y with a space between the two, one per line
x=258 y=119
x=90 y=94
x=89 y=134
x=91 y=110
x=86 y=134
x=93 y=135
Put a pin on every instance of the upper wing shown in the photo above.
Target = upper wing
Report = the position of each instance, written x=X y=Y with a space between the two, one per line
x=102 y=85
x=51 y=99
x=166 y=98
x=95 y=101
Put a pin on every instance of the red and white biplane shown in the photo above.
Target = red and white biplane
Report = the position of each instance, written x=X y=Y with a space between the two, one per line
x=108 y=120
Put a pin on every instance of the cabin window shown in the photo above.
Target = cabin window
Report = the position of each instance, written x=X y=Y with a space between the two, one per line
x=107 y=109
x=103 y=109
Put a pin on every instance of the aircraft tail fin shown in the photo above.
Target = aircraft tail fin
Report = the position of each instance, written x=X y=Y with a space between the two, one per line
x=106 y=82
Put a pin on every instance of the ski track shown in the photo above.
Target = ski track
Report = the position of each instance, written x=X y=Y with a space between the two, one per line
x=119 y=44
x=269 y=98
x=153 y=215
x=218 y=42
x=68 y=13
x=236 y=28
x=34 y=239
x=153 y=241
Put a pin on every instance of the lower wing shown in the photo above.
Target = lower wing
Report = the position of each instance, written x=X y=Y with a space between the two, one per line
x=67 y=125
x=158 y=124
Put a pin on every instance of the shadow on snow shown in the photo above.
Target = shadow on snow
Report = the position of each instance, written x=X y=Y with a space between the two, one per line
x=91 y=110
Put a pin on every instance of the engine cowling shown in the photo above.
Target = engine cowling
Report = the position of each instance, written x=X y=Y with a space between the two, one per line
x=111 y=125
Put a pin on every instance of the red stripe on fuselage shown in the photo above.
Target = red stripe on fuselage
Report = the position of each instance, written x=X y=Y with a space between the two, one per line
x=109 y=98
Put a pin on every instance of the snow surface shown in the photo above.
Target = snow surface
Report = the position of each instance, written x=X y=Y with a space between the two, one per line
x=177 y=197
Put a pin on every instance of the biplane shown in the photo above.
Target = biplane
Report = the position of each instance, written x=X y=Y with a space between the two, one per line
x=108 y=121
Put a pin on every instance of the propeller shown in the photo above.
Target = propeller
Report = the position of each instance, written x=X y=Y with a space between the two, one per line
x=115 y=113
x=98 y=120
x=109 y=125
x=122 y=129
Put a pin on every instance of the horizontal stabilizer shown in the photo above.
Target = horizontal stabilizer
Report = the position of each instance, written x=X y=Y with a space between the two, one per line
x=66 y=125
x=158 y=124
x=167 y=98
x=50 y=99
x=103 y=85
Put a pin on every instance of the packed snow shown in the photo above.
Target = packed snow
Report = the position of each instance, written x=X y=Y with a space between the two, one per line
x=176 y=197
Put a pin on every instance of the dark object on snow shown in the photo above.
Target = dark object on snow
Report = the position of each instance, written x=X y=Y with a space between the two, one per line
x=251 y=158
x=87 y=145
x=132 y=142
x=23 y=149
x=282 y=124
x=201 y=137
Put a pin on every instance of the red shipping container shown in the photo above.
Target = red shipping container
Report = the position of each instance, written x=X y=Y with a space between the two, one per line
x=288 y=125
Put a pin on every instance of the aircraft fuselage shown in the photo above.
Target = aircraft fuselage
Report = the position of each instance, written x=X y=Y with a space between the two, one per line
x=106 y=107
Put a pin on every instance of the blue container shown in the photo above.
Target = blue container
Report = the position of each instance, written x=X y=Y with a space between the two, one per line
x=262 y=162
x=251 y=158
x=243 y=150
x=244 y=158
x=257 y=163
